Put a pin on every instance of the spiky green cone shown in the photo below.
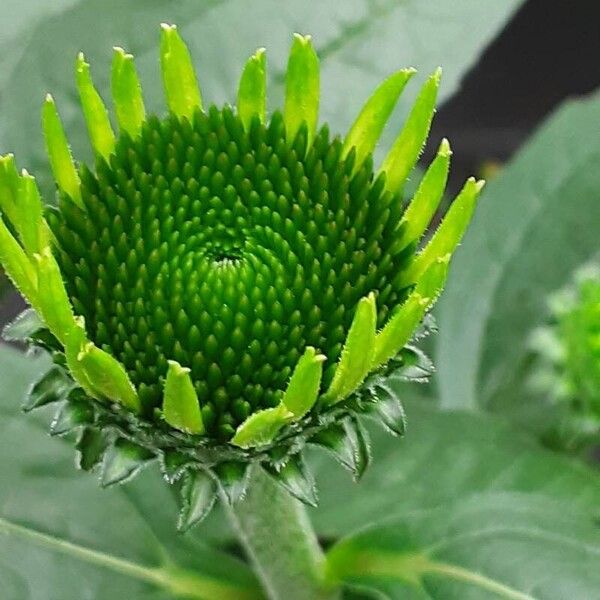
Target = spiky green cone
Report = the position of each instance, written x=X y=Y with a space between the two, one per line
x=566 y=361
x=222 y=288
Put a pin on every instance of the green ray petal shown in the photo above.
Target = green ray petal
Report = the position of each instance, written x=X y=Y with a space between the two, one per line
x=179 y=78
x=303 y=388
x=357 y=355
x=181 y=408
x=448 y=234
x=302 y=88
x=406 y=149
x=9 y=189
x=426 y=200
x=17 y=265
x=94 y=111
x=32 y=227
x=401 y=326
x=59 y=153
x=366 y=130
x=252 y=92
x=261 y=427
x=127 y=93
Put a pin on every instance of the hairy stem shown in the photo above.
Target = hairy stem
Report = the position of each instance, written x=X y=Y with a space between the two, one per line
x=277 y=535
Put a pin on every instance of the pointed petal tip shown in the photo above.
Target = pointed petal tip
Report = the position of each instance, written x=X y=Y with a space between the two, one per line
x=49 y=99
x=166 y=27
x=177 y=368
x=444 y=149
x=479 y=185
x=437 y=75
x=303 y=39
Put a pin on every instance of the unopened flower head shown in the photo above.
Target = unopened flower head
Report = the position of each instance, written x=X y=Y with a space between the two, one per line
x=225 y=278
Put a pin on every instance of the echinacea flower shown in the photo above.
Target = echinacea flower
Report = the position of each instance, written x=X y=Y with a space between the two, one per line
x=222 y=286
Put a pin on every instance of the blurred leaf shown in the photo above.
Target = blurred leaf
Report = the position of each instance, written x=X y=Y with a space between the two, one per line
x=513 y=546
x=535 y=224
x=62 y=537
x=360 y=42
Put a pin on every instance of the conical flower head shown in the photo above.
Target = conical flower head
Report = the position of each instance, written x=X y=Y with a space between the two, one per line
x=222 y=279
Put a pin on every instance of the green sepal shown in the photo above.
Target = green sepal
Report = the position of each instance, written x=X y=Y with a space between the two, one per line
x=416 y=366
x=261 y=427
x=405 y=152
x=17 y=265
x=366 y=130
x=303 y=388
x=426 y=200
x=179 y=78
x=296 y=478
x=107 y=377
x=252 y=91
x=357 y=354
x=122 y=462
x=127 y=93
x=348 y=443
x=74 y=412
x=233 y=478
x=301 y=89
x=53 y=301
x=59 y=153
x=389 y=410
x=181 y=408
x=53 y=386
x=448 y=234
x=95 y=113
x=198 y=494
x=174 y=465
x=24 y=327
x=91 y=445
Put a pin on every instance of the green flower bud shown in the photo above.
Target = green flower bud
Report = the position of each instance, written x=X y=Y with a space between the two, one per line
x=221 y=286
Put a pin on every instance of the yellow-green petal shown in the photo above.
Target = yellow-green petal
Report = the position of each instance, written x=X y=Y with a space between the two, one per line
x=95 y=113
x=127 y=93
x=108 y=377
x=426 y=200
x=261 y=427
x=179 y=78
x=33 y=229
x=357 y=355
x=303 y=388
x=181 y=408
x=17 y=265
x=9 y=188
x=366 y=130
x=252 y=91
x=302 y=88
x=448 y=234
x=405 y=152
x=403 y=323
x=59 y=153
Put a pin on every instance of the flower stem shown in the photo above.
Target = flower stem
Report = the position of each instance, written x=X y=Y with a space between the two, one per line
x=277 y=535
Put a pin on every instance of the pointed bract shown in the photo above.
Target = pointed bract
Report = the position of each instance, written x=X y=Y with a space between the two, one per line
x=408 y=146
x=198 y=494
x=355 y=361
x=127 y=93
x=366 y=130
x=179 y=78
x=53 y=386
x=59 y=153
x=303 y=388
x=302 y=88
x=181 y=408
x=426 y=200
x=296 y=478
x=123 y=461
x=91 y=445
x=448 y=234
x=95 y=113
x=233 y=478
x=252 y=91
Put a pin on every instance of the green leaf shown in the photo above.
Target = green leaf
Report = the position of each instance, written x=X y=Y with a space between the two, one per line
x=61 y=535
x=498 y=545
x=181 y=408
x=302 y=88
x=535 y=225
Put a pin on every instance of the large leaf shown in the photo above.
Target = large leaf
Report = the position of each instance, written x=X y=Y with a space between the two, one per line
x=62 y=537
x=535 y=224
x=511 y=546
x=360 y=42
